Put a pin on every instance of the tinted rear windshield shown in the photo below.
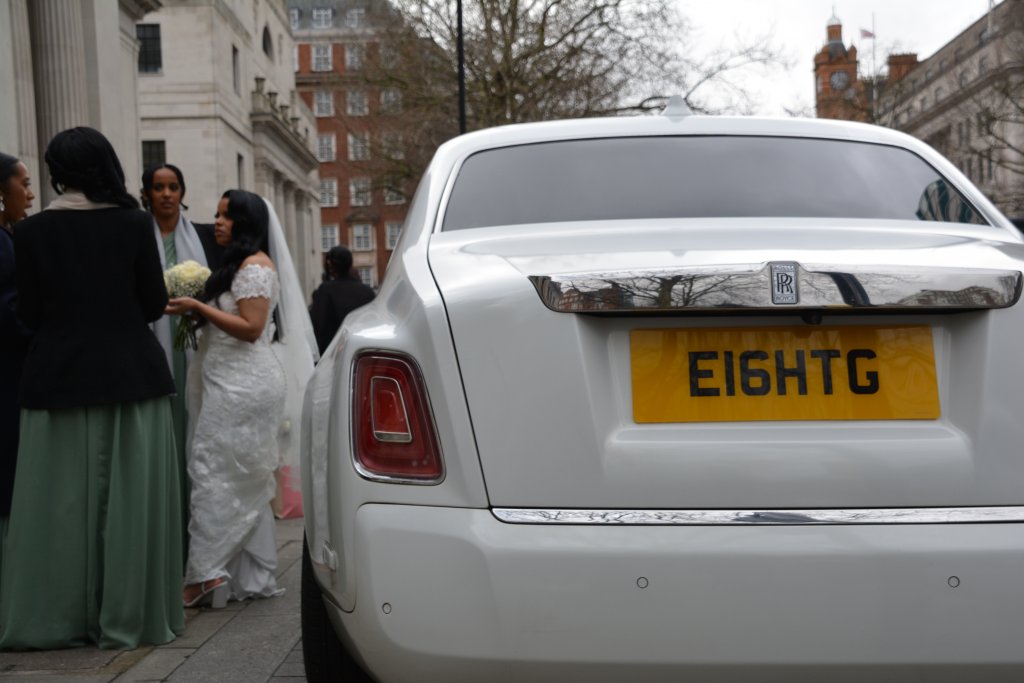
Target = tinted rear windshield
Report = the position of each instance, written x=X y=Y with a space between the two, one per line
x=696 y=177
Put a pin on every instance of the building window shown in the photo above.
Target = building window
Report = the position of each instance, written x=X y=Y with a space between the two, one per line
x=355 y=17
x=392 y=144
x=328 y=192
x=268 y=43
x=293 y=17
x=240 y=170
x=359 y=192
x=236 y=75
x=323 y=103
x=358 y=146
x=295 y=58
x=982 y=65
x=328 y=237
x=150 y=59
x=390 y=101
x=388 y=56
x=354 y=57
x=154 y=153
x=322 y=17
x=394 y=231
x=362 y=237
x=322 y=57
x=393 y=195
x=366 y=274
x=325 y=147
x=356 y=103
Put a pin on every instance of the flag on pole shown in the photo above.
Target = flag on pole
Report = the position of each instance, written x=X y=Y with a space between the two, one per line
x=864 y=33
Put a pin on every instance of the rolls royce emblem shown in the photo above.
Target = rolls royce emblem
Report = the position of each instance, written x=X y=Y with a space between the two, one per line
x=784 y=286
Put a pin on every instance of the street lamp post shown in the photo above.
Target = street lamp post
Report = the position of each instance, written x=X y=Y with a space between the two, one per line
x=462 y=68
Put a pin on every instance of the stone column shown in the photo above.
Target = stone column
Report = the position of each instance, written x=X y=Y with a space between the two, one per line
x=58 y=54
x=24 y=92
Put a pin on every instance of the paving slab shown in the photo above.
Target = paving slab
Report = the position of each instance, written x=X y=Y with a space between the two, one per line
x=245 y=650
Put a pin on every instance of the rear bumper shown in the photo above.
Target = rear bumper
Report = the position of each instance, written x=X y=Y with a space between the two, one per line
x=447 y=594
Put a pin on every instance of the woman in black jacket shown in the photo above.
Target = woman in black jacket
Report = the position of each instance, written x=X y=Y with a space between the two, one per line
x=94 y=539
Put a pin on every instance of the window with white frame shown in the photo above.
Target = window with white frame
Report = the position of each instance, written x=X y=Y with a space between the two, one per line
x=392 y=145
x=328 y=236
x=390 y=101
x=358 y=146
x=293 y=17
x=322 y=17
x=322 y=57
x=356 y=103
x=393 y=230
x=359 y=192
x=354 y=57
x=362 y=237
x=393 y=194
x=325 y=147
x=328 y=192
x=388 y=55
x=355 y=17
x=323 y=103
x=367 y=275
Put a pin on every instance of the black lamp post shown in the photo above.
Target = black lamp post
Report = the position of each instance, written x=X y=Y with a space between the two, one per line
x=462 y=68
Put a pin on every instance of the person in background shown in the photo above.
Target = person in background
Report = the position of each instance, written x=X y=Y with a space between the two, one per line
x=338 y=296
x=93 y=551
x=178 y=240
x=15 y=200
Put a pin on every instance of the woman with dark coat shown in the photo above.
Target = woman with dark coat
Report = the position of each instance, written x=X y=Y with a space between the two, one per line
x=338 y=296
x=15 y=200
x=94 y=546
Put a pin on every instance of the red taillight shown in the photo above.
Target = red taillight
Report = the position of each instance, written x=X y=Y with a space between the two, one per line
x=393 y=429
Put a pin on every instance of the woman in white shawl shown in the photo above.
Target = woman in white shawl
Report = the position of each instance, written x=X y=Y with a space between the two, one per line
x=178 y=240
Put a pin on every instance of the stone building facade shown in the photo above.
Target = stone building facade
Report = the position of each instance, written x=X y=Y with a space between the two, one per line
x=217 y=99
x=966 y=101
x=337 y=42
x=66 y=64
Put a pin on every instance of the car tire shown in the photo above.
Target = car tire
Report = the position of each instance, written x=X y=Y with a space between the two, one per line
x=325 y=658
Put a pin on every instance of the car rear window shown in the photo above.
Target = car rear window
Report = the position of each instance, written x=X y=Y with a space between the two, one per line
x=695 y=177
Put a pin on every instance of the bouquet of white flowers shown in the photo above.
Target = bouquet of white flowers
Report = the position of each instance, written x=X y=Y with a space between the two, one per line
x=186 y=279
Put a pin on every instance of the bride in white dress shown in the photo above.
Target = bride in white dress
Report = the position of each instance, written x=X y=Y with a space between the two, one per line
x=237 y=388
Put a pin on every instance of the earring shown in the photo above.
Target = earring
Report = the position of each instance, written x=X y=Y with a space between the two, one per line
x=2 y=207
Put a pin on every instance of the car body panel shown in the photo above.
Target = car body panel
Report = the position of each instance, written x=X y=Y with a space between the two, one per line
x=455 y=595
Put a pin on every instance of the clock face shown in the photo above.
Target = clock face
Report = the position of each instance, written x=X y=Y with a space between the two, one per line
x=839 y=80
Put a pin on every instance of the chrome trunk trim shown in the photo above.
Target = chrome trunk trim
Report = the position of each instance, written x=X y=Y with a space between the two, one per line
x=954 y=515
x=750 y=288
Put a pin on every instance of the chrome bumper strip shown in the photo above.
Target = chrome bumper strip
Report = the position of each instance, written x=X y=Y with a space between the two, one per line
x=957 y=515
x=750 y=288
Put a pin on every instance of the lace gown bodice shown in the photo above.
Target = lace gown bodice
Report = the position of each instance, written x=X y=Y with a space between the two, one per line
x=236 y=402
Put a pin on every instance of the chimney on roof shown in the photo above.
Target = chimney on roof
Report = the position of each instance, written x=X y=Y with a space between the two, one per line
x=901 y=65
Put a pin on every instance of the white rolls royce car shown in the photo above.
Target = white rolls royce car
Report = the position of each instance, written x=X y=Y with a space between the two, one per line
x=675 y=398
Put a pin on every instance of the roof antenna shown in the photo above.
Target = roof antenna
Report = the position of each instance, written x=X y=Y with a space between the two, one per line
x=676 y=107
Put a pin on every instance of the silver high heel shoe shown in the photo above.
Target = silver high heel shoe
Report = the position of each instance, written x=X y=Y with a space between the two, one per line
x=214 y=593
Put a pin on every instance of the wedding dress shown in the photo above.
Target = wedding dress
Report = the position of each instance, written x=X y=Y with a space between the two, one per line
x=238 y=400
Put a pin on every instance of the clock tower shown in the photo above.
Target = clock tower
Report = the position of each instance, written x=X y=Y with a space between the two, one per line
x=838 y=93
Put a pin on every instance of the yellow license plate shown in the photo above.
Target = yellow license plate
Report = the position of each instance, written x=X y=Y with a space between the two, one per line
x=784 y=373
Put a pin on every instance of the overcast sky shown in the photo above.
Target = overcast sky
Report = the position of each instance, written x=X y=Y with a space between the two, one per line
x=798 y=27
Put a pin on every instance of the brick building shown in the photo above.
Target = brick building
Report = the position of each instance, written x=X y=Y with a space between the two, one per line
x=964 y=100
x=337 y=41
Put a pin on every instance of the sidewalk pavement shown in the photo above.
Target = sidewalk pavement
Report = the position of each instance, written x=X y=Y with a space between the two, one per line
x=257 y=641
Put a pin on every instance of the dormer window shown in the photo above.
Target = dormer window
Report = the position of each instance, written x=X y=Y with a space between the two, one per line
x=322 y=17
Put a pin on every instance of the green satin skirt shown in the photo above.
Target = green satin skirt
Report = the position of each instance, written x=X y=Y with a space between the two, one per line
x=93 y=547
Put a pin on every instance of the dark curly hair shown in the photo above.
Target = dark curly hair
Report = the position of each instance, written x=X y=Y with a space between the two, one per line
x=8 y=169
x=82 y=159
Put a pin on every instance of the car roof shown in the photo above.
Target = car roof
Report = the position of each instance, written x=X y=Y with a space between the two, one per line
x=661 y=125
